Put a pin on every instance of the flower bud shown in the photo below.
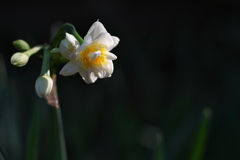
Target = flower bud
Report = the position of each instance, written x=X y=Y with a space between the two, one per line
x=43 y=85
x=21 y=45
x=19 y=59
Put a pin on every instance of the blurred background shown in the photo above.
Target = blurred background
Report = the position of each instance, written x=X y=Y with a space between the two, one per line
x=175 y=59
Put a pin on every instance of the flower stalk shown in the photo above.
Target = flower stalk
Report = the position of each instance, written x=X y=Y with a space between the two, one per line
x=33 y=50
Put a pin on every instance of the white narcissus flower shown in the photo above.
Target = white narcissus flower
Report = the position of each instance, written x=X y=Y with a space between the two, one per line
x=92 y=59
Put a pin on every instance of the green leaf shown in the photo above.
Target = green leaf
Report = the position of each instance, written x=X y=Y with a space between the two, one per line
x=199 y=143
x=56 y=143
x=33 y=136
x=159 y=153
x=2 y=156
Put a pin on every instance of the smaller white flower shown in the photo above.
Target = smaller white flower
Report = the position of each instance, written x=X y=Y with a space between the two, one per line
x=92 y=59
x=43 y=85
x=69 y=46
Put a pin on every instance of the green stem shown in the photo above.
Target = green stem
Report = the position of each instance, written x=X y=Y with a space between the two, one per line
x=159 y=153
x=61 y=134
x=33 y=50
x=198 y=147
x=33 y=136
x=45 y=62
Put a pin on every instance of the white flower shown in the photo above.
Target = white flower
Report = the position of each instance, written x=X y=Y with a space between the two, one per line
x=92 y=59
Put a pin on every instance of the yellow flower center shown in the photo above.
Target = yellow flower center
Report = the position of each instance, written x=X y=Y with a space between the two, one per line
x=85 y=59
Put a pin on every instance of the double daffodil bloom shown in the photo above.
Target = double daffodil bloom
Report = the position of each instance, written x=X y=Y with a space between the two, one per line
x=92 y=59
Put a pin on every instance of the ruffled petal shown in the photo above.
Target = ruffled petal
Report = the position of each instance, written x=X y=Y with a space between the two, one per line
x=63 y=48
x=105 y=39
x=116 y=41
x=110 y=55
x=96 y=29
x=88 y=76
x=108 y=67
x=99 y=72
x=94 y=55
x=84 y=44
x=70 y=68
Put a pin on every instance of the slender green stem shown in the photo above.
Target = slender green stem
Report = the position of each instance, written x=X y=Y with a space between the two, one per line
x=46 y=61
x=159 y=152
x=61 y=134
x=198 y=147
x=33 y=136
x=33 y=50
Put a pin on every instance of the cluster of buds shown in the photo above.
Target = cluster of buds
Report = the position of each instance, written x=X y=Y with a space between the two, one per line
x=44 y=82
x=21 y=57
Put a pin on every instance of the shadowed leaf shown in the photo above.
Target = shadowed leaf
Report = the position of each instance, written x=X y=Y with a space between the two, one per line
x=198 y=146
x=33 y=136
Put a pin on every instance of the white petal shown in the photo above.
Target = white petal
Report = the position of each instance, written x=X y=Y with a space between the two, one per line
x=110 y=55
x=68 y=47
x=70 y=68
x=96 y=29
x=64 y=43
x=105 y=39
x=63 y=48
x=87 y=41
x=109 y=68
x=88 y=76
x=99 y=72
x=94 y=55
x=116 y=41
x=71 y=39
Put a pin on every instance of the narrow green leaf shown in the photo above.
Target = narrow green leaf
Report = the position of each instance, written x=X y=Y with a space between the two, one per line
x=33 y=136
x=199 y=143
x=2 y=156
x=159 y=153
x=57 y=148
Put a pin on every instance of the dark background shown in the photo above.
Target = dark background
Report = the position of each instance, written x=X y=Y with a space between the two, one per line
x=174 y=59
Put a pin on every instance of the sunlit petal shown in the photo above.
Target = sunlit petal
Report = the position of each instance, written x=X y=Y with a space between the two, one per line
x=116 y=41
x=105 y=39
x=88 y=76
x=70 y=68
x=94 y=55
x=110 y=56
x=96 y=29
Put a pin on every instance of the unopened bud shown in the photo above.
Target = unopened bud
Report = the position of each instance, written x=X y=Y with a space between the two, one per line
x=43 y=85
x=21 y=45
x=19 y=59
